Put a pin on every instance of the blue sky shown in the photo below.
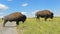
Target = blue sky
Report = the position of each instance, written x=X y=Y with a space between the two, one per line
x=29 y=7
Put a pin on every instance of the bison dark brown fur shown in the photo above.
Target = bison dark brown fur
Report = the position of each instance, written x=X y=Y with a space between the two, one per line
x=17 y=16
x=44 y=14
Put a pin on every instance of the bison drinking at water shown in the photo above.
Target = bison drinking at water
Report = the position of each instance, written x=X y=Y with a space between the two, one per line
x=17 y=16
x=44 y=14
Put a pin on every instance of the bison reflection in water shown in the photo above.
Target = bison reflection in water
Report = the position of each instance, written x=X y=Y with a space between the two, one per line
x=17 y=16
x=44 y=14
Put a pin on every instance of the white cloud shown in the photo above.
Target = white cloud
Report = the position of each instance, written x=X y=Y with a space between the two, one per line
x=24 y=13
x=24 y=4
x=35 y=11
x=29 y=15
x=1 y=16
x=3 y=7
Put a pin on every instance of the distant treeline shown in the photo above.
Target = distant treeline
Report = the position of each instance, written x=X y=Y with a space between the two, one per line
x=54 y=17
x=35 y=17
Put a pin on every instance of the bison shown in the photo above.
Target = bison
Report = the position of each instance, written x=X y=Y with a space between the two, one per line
x=16 y=16
x=44 y=14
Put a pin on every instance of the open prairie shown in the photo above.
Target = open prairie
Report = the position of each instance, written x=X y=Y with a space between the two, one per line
x=31 y=26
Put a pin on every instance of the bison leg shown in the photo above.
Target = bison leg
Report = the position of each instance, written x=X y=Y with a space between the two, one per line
x=46 y=18
x=23 y=21
x=4 y=23
x=17 y=22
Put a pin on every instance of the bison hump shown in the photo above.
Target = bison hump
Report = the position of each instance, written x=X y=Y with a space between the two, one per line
x=14 y=15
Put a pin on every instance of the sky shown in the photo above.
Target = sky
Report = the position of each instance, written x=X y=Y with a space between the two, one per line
x=28 y=7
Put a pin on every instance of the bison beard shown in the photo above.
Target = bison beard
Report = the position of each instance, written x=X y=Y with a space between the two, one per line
x=14 y=17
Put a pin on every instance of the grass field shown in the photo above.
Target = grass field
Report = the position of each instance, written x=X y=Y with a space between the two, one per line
x=31 y=26
x=1 y=20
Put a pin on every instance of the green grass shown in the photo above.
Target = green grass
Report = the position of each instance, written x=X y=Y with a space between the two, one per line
x=1 y=20
x=31 y=26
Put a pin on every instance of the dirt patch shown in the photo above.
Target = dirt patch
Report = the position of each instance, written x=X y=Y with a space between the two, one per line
x=10 y=28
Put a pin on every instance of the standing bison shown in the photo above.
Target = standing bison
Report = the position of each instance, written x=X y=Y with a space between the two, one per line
x=44 y=14
x=17 y=16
